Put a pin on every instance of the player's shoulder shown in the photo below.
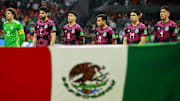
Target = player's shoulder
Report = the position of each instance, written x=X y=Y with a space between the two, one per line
x=38 y=22
x=17 y=22
x=51 y=21
x=66 y=26
x=78 y=26
x=109 y=28
x=98 y=28
x=128 y=26
x=158 y=23
x=142 y=25
x=6 y=22
x=172 y=22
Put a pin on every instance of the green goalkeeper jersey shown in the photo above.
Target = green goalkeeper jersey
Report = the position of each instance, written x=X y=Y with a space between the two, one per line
x=13 y=33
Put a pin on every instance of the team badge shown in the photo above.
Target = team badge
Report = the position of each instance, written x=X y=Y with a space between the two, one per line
x=158 y=28
x=137 y=31
x=73 y=31
x=167 y=28
x=128 y=30
x=45 y=26
x=104 y=34
x=97 y=33
x=65 y=31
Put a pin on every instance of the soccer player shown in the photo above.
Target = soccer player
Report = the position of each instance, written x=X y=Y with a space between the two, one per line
x=165 y=30
x=45 y=30
x=13 y=30
x=136 y=32
x=73 y=33
x=104 y=33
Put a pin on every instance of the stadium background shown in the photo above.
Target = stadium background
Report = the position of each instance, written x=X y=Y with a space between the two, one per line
x=117 y=11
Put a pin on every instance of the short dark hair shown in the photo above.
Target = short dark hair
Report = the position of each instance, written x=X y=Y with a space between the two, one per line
x=135 y=11
x=73 y=12
x=166 y=8
x=103 y=16
x=44 y=8
x=13 y=11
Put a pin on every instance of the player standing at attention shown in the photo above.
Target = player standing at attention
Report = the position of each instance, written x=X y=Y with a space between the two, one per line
x=135 y=32
x=165 y=30
x=45 y=30
x=13 y=30
x=73 y=33
x=104 y=33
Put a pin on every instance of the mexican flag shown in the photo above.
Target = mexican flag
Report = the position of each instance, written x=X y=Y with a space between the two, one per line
x=91 y=73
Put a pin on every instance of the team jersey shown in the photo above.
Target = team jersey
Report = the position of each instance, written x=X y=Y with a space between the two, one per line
x=43 y=31
x=166 y=32
x=106 y=36
x=13 y=33
x=134 y=33
x=73 y=35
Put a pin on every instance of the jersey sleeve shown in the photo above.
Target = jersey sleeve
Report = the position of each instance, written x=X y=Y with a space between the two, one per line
x=125 y=31
x=4 y=29
x=21 y=33
x=144 y=31
x=35 y=30
x=81 y=33
x=112 y=34
x=155 y=30
x=53 y=28
x=175 y=30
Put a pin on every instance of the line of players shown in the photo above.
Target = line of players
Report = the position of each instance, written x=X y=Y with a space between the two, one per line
x=45 y=31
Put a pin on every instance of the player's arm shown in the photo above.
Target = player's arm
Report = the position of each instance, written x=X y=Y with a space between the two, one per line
x=21 y=34
x=113 y=37
x=114 y=41
x=63 y=32
x=34 y=39
x=53 y=39
x=125 y=40
x=35 y=36
x=143 y=36
x=143 y=40
x=154 y=36
x=125 y=37
x=82 y=37
x=175 y=32
x=53 y=35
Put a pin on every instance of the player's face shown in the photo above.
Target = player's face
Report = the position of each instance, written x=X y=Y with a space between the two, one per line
x=9 y=15
x=100 y=22
x=71 y=17
x=133 y=17
x=164 y=14
x=43 y=14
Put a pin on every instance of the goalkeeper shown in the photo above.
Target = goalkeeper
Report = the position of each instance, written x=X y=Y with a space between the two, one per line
x=13 y=30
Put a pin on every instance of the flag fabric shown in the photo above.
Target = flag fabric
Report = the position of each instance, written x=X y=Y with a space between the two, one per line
x=91 y=73
x=64 y=59
x=25 y=74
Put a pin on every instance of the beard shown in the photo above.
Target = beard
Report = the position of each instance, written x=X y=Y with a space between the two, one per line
x=43 y=18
